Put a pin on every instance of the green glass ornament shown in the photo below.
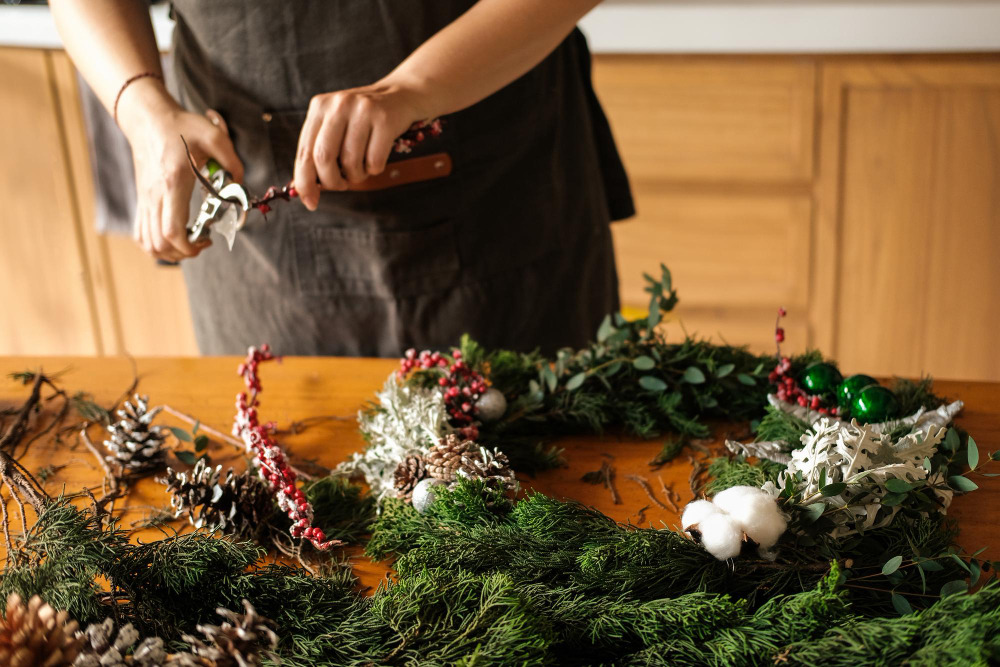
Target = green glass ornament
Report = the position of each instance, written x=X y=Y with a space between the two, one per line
x=851 y=387
x=821 y=378
x=875 y=404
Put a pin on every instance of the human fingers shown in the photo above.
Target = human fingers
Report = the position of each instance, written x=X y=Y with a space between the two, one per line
x=305 y=168
x=327 y=151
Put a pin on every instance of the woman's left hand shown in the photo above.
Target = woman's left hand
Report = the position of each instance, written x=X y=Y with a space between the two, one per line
x=348 y=135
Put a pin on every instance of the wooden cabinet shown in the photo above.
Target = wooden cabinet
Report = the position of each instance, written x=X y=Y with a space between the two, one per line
x=860 y=193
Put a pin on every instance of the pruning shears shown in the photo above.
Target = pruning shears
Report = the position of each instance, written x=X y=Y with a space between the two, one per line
x=225 y=206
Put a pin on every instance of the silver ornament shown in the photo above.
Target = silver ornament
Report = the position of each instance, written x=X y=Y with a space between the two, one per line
x=491 y=405
x=423 y=494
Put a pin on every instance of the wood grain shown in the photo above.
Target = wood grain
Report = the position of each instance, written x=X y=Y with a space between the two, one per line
x=710 y=119
x=908 y=217
x=48 y=302
x=307 y=387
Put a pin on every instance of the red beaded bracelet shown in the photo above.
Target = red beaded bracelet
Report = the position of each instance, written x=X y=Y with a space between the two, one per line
x=129 y=82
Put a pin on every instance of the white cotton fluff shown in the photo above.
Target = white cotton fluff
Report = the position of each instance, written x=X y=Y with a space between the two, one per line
x=756 y=511
x=721 y=535
x=696 y=511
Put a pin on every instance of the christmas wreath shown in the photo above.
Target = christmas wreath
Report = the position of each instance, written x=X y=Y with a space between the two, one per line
x=821 y=541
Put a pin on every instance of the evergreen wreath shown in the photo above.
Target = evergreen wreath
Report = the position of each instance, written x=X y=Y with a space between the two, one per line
x=864 y=569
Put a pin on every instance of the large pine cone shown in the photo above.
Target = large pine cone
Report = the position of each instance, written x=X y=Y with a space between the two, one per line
x=100 y=651
x=237 y=505
x=445 y=458
x=242 y=641
x=492 y=467
x=135 y=445
x=410 y=470
x=36 y=635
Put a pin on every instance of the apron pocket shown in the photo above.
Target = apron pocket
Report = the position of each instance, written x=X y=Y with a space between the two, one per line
x=364 y=261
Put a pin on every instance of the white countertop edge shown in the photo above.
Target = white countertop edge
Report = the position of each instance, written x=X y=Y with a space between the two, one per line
x=706 y=27
x=634 y=26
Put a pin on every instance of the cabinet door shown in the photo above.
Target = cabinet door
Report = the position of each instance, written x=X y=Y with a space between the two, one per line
x=47 y=303
x=908 y=242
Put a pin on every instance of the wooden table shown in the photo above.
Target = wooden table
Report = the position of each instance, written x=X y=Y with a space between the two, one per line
x=308 y=387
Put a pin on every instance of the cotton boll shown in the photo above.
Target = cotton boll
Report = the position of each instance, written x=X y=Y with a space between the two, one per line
x=721 y=535
x=756 y=511
x=696 y=511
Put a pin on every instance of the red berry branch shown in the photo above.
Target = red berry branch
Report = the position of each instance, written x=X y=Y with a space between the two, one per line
x=269 y=458
x=788 y=389
x=417 y=133
x=461 y=384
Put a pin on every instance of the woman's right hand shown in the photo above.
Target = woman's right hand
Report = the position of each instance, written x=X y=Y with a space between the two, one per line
x=154 y=124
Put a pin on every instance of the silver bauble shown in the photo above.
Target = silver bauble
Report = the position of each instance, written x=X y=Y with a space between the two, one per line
x=423 y=494
x=491 y=405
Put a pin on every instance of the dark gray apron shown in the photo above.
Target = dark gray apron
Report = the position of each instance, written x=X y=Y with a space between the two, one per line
x=514 y=247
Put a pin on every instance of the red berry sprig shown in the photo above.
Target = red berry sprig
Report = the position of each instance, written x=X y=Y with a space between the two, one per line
x=788 y=389
x=462 y=386
x=272 y=465
x=417 y=133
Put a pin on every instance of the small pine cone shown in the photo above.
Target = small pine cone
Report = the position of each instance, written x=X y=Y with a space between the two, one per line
x=445 y=458
x=410 y=470
x=491 y=467
x=100 y=651
x=134 y=444
x=241 y=641
x=237 y=505
x=35 y=635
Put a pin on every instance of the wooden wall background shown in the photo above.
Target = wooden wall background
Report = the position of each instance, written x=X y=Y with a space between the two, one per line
x=860 y=193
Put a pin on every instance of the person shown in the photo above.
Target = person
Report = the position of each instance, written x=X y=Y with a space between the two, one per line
x=513 y=246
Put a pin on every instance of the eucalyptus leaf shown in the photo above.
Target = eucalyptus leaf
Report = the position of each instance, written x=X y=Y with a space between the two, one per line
x=951 y=440
x=605 y=330
x=898 y=486
x=892 y=565
x=180 y=434
x=930 y=566
x=574 y=382
x=901 y=605
x=724 y=370
x=186 y=457
x=746 y=379
x=834 y=489
x=961 y=562
x=612 y=369
x=644 y=363
x=973 y=453
x=201 y=443
x=893 y=499
x=814 y=511
x=549 y=378
x=954 y=587
x=693 y=375
x=960 y=483
x=652 y=383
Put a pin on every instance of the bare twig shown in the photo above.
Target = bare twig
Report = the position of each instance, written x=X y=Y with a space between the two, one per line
x=641 y=515
x=20 y=425
x=300 y=425
x=644 y=485
x=668 y=493
x=110 y=477
x=697 y=468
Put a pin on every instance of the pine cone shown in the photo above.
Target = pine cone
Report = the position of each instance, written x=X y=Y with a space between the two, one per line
x=491 y=467
x=100 y=651
x=410 y=470
x=242 y=641
x=239 y=505
x=135 y=445
x=36 y=635
x=445 y=458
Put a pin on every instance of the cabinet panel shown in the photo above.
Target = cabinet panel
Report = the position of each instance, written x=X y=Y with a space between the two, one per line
x=48 y=302
x=710 y=119
x=910 y=219
x=722 y=249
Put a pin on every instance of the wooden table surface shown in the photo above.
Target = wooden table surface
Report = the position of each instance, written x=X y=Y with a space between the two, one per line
x=303 y=387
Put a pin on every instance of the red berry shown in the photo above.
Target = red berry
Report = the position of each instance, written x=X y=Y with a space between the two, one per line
x=782 y=312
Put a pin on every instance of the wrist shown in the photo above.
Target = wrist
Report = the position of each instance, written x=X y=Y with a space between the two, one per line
x=417 y=91
x=143 y=103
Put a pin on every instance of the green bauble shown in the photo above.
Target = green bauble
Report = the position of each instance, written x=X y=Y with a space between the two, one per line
x=875 y=404
x=821 y=378
x=851 y=387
